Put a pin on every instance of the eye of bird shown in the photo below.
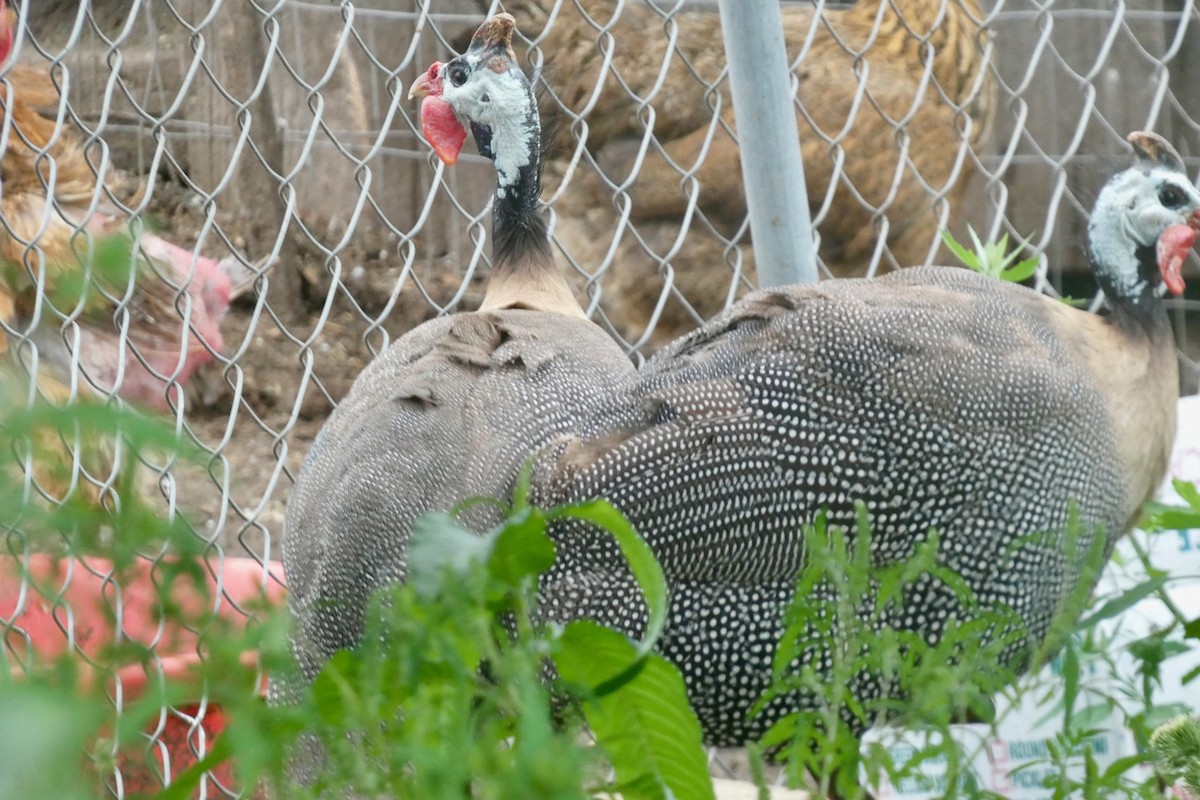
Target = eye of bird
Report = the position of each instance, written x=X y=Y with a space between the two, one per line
x=457 y=74
x=1171 y=196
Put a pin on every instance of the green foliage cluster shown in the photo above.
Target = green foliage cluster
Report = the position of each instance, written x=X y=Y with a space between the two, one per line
x=993 y=259
x=448 y=696
x=456 y=704
x=462 y=700
x=848 y=606
x=1176 y=745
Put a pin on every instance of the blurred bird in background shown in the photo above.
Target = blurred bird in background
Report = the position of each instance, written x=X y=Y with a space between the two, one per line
x=92 y=306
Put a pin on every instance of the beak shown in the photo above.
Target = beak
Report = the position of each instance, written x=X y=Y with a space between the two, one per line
x=425 y=84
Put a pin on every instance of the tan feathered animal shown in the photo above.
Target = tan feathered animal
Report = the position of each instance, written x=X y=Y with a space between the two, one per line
x=892 y=97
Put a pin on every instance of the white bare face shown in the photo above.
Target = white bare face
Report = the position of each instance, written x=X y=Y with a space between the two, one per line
x=491 y=91
x=1132 y=211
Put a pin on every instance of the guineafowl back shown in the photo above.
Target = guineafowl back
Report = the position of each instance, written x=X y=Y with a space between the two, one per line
x=448 y=413
x=941 y=399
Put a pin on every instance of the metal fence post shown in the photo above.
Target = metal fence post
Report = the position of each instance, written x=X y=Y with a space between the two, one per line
x=772 y=170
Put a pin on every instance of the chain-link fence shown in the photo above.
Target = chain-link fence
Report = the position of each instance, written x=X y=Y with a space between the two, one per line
x=278 y=133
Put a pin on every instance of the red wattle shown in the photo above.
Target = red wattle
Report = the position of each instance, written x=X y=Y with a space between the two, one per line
x=1173 y=247
x=442 y=128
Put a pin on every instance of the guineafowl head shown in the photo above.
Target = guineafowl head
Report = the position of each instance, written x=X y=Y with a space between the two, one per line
x=1144 y=223
x=484 y=91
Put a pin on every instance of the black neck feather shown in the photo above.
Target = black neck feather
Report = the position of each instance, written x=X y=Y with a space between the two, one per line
x=1142 y=312
x=518 y=228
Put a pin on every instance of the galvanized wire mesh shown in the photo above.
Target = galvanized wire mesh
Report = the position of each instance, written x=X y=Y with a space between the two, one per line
x=279 y=132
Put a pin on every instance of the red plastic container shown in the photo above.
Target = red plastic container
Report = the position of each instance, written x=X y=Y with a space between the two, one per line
x=74 y=605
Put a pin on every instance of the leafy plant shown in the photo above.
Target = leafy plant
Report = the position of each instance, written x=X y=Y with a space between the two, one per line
x=993 y=259
x=64 y=731
x=461 y=689
x=447 y=697
x=846 y=615
x=1176 y=518
x=843 y=615
x=1185 y=519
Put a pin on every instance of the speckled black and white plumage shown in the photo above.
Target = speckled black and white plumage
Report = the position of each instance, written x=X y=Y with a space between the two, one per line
x=455 y=407
x=449 y=413
x=812 y=398
x=940 y=398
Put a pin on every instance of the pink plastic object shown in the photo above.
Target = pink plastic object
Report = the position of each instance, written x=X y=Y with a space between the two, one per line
x=76 y=598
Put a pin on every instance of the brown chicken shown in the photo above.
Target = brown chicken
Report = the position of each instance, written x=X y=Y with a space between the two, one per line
x=893 y=98
x=87 y=299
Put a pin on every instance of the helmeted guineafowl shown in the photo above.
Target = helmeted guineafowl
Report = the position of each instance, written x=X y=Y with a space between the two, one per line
x=452 y=409
x=941 y=398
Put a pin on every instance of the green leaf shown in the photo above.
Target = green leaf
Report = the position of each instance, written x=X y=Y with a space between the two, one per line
x=1189 y=491
x=521 y=489
x=1154 y=649
x=1159 y=715
x=43 y=733
x=1021 y=270
x=1119 y=605
x=961 y=253
x=1091 y=717
x=1070 y=676
x=638 y=554
x=1122 y=765
x=980 y=250
x=183 y=786
x=1173 y=518
x=99 y=419
x=333 y=689
x=781 y=732
x=439 y=545
x=645 y=726
x=1192 y=629
x=993 y=259
x=521 y=549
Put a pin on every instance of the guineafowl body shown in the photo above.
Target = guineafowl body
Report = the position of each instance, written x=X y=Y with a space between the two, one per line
x=812 y=399
x=454 y=408
x=940 y=398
